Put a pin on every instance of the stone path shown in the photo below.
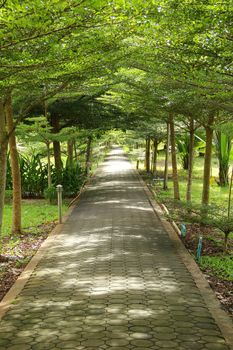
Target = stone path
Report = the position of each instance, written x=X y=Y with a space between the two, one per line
x=111 y=280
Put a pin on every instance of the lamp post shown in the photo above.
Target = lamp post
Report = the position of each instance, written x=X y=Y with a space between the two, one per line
x=59 y=202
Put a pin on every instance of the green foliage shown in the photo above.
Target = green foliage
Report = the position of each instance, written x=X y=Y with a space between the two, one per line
x=34 y=213
x=222 y=266
x=71 y=178
x=8 y=174
x=223 y=150
x=182 y=144
x=33 y=175
x=8 y=196
x=50 y=194
x=34 y=178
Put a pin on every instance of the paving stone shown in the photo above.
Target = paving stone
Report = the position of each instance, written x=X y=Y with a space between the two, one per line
x=117 y=342
x=168 y=344
x=142 y=343
x=138 y=335
x=143 y=329
x=19 y=347
x=68 y=344
x=189 y=345
x=165 y=336
x=92 y=342
x=111 y=279
x=4 y=342
x=213 y=346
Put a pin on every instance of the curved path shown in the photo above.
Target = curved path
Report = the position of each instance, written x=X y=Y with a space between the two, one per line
x=111 y=280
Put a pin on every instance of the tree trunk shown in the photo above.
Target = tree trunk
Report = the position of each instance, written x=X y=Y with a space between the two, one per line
x=56 y=144
x=75 y=151
x=88 y=156
x=154 y=170
x=223 y=174
x=174 y=161
x=70 y=152
x=147 y=159
x=165 y=180
x=190 y=161
x=207 y=162
x=3 y=159
x=49 y=164
x=15 y=169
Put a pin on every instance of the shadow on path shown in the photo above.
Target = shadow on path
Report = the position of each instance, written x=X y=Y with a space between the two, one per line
x=111 y=280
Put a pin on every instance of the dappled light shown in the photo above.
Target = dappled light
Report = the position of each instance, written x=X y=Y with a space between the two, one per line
x=112 y=278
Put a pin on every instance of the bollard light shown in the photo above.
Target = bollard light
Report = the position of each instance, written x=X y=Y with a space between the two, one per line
x=199 y=248
x=183 y=230
x=59 y=189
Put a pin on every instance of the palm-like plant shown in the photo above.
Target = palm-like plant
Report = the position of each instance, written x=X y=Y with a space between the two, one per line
x=223 y=150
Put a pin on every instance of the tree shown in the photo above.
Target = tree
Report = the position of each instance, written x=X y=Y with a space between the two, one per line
x=223 y=139
x=3 y=158
x=15 y=168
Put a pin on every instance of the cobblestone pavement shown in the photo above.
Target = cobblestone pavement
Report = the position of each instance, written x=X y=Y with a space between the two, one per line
x=111 y=280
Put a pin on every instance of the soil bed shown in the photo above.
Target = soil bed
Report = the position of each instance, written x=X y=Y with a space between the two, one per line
x=17 y=251
x=212 y=247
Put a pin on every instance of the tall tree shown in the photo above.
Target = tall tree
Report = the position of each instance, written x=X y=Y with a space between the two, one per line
x=3 y=158
x=174 y=160
x=15 y=168
x=209 y=130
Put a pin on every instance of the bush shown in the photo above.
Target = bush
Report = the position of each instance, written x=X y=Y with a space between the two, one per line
x=50 y=194
x=8 y=196
x=71 y=178
x=34 y=178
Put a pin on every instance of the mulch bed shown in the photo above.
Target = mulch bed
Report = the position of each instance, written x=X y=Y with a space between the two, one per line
x=211 y=247
x=16 y=252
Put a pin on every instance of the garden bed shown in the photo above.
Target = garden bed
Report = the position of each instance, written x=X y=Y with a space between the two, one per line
x=17 y=251
x=38 y=220
x=216 y=264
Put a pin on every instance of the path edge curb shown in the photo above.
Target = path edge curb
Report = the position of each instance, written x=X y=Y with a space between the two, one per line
x=21 y=281
x=220 y=316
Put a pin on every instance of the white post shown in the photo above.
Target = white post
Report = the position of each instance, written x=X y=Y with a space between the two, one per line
x=59 y=202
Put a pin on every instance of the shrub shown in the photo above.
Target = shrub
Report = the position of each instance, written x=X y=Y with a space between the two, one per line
x=34 y=178
x=8 y=196
x=50 y=194
x=71 y=178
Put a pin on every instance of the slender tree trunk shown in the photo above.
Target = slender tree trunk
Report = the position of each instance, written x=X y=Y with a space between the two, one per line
x=88 y=155
x=207 y=162
x=190 y=161
x=155 y=144
x=49 y=164
x=174 y=160
x=165 y=180
x=147 y=159
x=70 y=152
x=57 y=155
x=75 y=151
x=15 y=169
x=229 y=195
x=3 y=159
x=56 y=144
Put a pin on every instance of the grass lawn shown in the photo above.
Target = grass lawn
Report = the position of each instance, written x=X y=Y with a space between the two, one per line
x=218 y=195
x=222 y=266
x=34 y=213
